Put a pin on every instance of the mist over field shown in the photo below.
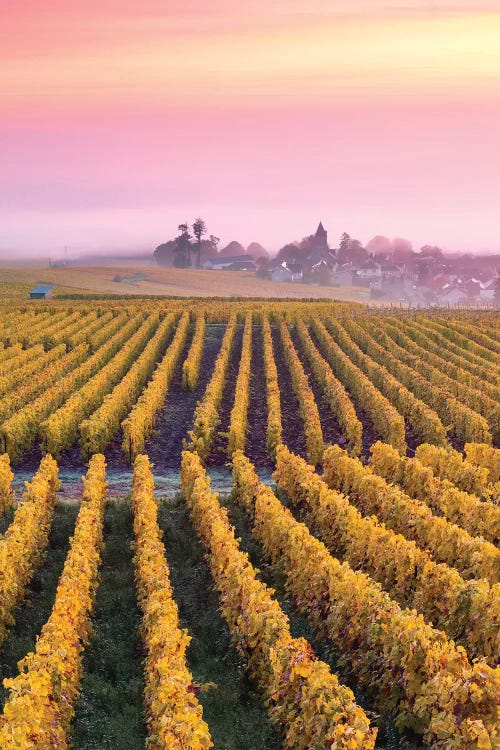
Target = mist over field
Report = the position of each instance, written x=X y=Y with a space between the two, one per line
x=375 y=117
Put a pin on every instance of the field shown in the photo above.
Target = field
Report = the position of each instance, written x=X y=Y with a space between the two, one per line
x=247 y=524
x=172 y=282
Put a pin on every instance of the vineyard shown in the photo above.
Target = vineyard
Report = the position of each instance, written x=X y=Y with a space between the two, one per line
x=248 y=525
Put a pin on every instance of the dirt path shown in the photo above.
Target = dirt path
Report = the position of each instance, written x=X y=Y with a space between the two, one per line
x=232 y=706
x=332 y=432
x=412 y=440
x=369 y=435
x=218 y=455
x=176 y=417
x=257 y=409
x=293 y=429
x=115 y=458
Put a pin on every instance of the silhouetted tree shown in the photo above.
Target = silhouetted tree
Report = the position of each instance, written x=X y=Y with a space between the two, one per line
x=431 y=250
x=183 y=253
x=257 y=251
x=307 y=245
x=165 y=253
x=199 y=229
x=234 y=248
x=289 y=253
x=181 y=261
x=344 y=243
x=402 y=249
x=208 y=248
x=177 y=252
x=351 y=251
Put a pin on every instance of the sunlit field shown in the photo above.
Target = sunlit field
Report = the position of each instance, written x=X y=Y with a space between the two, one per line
x=287 y=531
x=166 y=282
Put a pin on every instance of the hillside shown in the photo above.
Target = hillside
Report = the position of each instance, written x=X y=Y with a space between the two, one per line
x=166 y=282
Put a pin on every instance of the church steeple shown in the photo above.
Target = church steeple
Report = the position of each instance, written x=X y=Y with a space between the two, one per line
x=321 y=231
x=321 y=238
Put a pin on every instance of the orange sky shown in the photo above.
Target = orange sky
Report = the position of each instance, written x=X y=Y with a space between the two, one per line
x=378 y=116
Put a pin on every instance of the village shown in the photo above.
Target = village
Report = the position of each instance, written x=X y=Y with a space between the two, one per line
x=425 y=278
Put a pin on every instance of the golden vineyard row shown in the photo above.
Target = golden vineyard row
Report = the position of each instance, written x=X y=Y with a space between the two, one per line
x=413 y=670
x=304 y=698
x=108 y=377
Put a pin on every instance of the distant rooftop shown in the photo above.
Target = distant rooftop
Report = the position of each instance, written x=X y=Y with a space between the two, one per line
x=41 y=289
x=218 y=260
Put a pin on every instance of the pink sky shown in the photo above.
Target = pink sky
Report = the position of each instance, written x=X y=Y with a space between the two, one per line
x=121 y=119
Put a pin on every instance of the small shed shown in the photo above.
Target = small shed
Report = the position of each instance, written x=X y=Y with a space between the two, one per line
x=41 y=291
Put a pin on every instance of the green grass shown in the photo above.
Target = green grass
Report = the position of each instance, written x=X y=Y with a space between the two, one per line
x=234 y=712
x=109 y=713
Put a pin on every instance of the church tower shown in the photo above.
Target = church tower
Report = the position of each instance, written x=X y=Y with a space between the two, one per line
x=321 y=238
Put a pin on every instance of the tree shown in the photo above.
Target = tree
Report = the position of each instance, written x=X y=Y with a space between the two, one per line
x=344 y=243
x=307 y=245
x=165 y=253
x=181 y=261
x=257 y=251
x=289 y=253
x=177 y=252
x=183 y=253
x=351 y=251
x=432 y=251
x=208 y=248
x=402 y=249
x=379 y=245
x=322 y=275
x=356 y=252
x=199 y=229
x=233 y=249
x=262 y=265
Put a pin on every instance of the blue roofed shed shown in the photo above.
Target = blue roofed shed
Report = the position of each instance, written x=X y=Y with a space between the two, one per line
x=42 y=291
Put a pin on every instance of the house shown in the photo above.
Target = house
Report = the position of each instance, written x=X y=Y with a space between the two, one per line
x=239 y=263
x=487 y=293
x=343 y=276
x=42 y=291
x=296 y=269
x=390 y=271
x=281 y=273
x=472 y=288
x=369 y=270
x=287 y=272
x=389 y=288
x=452 y=295
x=366 y=274
x=326 y=264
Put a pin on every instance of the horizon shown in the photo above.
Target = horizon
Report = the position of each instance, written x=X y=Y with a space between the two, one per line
x=376 y=117
x=142 y=256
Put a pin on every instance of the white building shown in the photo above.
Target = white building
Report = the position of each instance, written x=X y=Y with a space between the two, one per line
x=287 y=272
